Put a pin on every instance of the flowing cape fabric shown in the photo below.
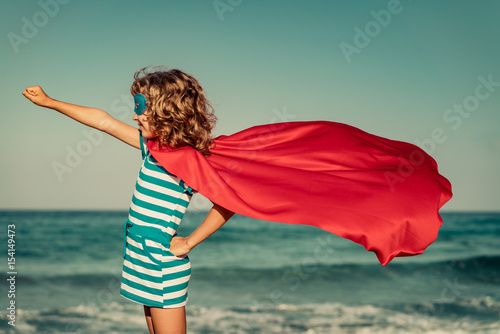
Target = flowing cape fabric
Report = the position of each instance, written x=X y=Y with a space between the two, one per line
x=380 y=193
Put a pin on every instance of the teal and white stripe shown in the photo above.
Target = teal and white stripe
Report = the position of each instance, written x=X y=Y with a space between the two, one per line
x=152 y=275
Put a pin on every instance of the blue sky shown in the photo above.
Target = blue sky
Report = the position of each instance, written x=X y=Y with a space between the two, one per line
x=398 y=69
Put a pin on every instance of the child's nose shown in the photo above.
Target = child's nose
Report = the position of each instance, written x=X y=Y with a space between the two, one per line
x=134 y=117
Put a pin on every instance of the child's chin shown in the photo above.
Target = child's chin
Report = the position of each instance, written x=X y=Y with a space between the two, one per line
x=148 y=135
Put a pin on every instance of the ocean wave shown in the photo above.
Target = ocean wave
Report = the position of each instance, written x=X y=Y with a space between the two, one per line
x=454 y=308
x=85 y=279
x=264 y=318
x=483 y=269
x=484 y=262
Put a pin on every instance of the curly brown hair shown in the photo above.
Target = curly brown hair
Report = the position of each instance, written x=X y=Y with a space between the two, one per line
x=177 y=109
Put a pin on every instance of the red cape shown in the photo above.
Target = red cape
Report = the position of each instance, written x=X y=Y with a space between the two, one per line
x=380 y=193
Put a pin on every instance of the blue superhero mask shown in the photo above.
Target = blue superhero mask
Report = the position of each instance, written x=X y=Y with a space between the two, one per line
x=140 y=104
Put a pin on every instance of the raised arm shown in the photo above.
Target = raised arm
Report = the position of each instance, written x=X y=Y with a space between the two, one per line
x=95 y=118
x=215 y=219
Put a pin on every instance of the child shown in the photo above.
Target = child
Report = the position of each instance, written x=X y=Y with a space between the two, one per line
x=380 y=193
x=170 y=107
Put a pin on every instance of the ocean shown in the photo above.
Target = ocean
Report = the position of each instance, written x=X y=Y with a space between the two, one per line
x=252 y=277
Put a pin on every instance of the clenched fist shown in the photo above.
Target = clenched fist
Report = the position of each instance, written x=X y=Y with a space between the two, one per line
x=36 y=95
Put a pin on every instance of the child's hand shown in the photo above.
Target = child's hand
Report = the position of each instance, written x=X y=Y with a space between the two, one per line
x=179 y=246
x=36 y=95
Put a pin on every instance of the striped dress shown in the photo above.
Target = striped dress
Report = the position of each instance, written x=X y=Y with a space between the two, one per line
x=152 y=275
